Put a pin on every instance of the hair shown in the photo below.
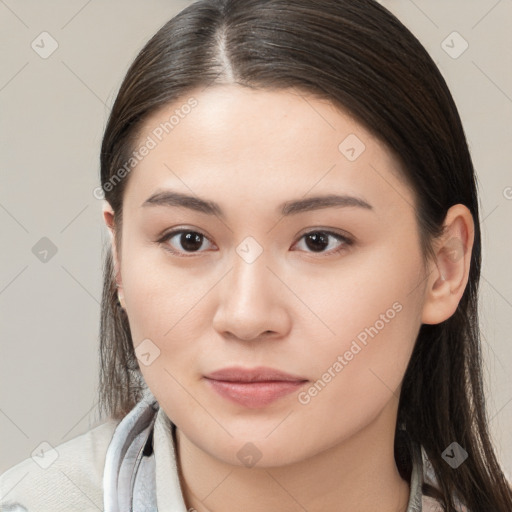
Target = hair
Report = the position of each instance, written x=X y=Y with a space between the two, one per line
x=361 y=58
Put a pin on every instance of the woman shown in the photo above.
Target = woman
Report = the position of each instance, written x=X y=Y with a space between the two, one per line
x=289 y=317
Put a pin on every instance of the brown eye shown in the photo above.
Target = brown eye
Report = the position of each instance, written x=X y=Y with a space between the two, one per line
x=185 y=241
x=182 y=242
x=319 y=241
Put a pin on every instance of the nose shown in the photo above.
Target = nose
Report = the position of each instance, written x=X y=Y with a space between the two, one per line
x=252 y=302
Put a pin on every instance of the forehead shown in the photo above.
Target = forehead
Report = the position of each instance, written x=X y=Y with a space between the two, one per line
x=262 y=145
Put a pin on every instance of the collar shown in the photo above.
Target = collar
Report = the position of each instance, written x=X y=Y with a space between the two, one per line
x=141 y=473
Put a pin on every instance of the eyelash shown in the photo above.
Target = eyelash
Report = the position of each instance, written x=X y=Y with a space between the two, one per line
x=347 y=242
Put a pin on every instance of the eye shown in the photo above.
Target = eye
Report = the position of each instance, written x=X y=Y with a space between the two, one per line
x=318 y=241
x=190 y=241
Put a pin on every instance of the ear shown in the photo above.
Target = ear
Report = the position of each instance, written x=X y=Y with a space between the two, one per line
x=108 y=216
x=450 y=271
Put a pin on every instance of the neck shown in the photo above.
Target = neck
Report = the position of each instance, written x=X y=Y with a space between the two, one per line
x=358 y=474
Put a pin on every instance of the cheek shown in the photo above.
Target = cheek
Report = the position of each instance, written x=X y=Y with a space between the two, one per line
x=377 y=287
x=363 y=305
x=167 y=305
x=161 y=297
x=164 y=306
x=370 y=319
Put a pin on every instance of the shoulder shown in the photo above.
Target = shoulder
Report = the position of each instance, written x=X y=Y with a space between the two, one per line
x=67 y=477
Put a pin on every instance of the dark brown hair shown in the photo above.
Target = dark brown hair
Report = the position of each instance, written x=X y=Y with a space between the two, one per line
x=360 y=57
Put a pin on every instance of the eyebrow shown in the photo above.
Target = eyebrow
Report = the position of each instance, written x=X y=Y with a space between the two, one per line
x=170 y=198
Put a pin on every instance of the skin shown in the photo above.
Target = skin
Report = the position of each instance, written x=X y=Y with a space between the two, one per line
x=293 y=309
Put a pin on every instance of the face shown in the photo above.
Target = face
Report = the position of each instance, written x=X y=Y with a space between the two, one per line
x=264 y=275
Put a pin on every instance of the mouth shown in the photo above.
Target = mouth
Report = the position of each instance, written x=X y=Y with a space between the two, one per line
x=253 y=388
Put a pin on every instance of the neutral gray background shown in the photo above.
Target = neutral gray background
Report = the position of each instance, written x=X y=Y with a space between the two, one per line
x=53 y=113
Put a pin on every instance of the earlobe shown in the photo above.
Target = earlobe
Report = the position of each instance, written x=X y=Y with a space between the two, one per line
x=449 y=273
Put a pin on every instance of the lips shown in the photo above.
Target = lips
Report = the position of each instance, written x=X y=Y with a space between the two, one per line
x=259 y=374
x=253 y=388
